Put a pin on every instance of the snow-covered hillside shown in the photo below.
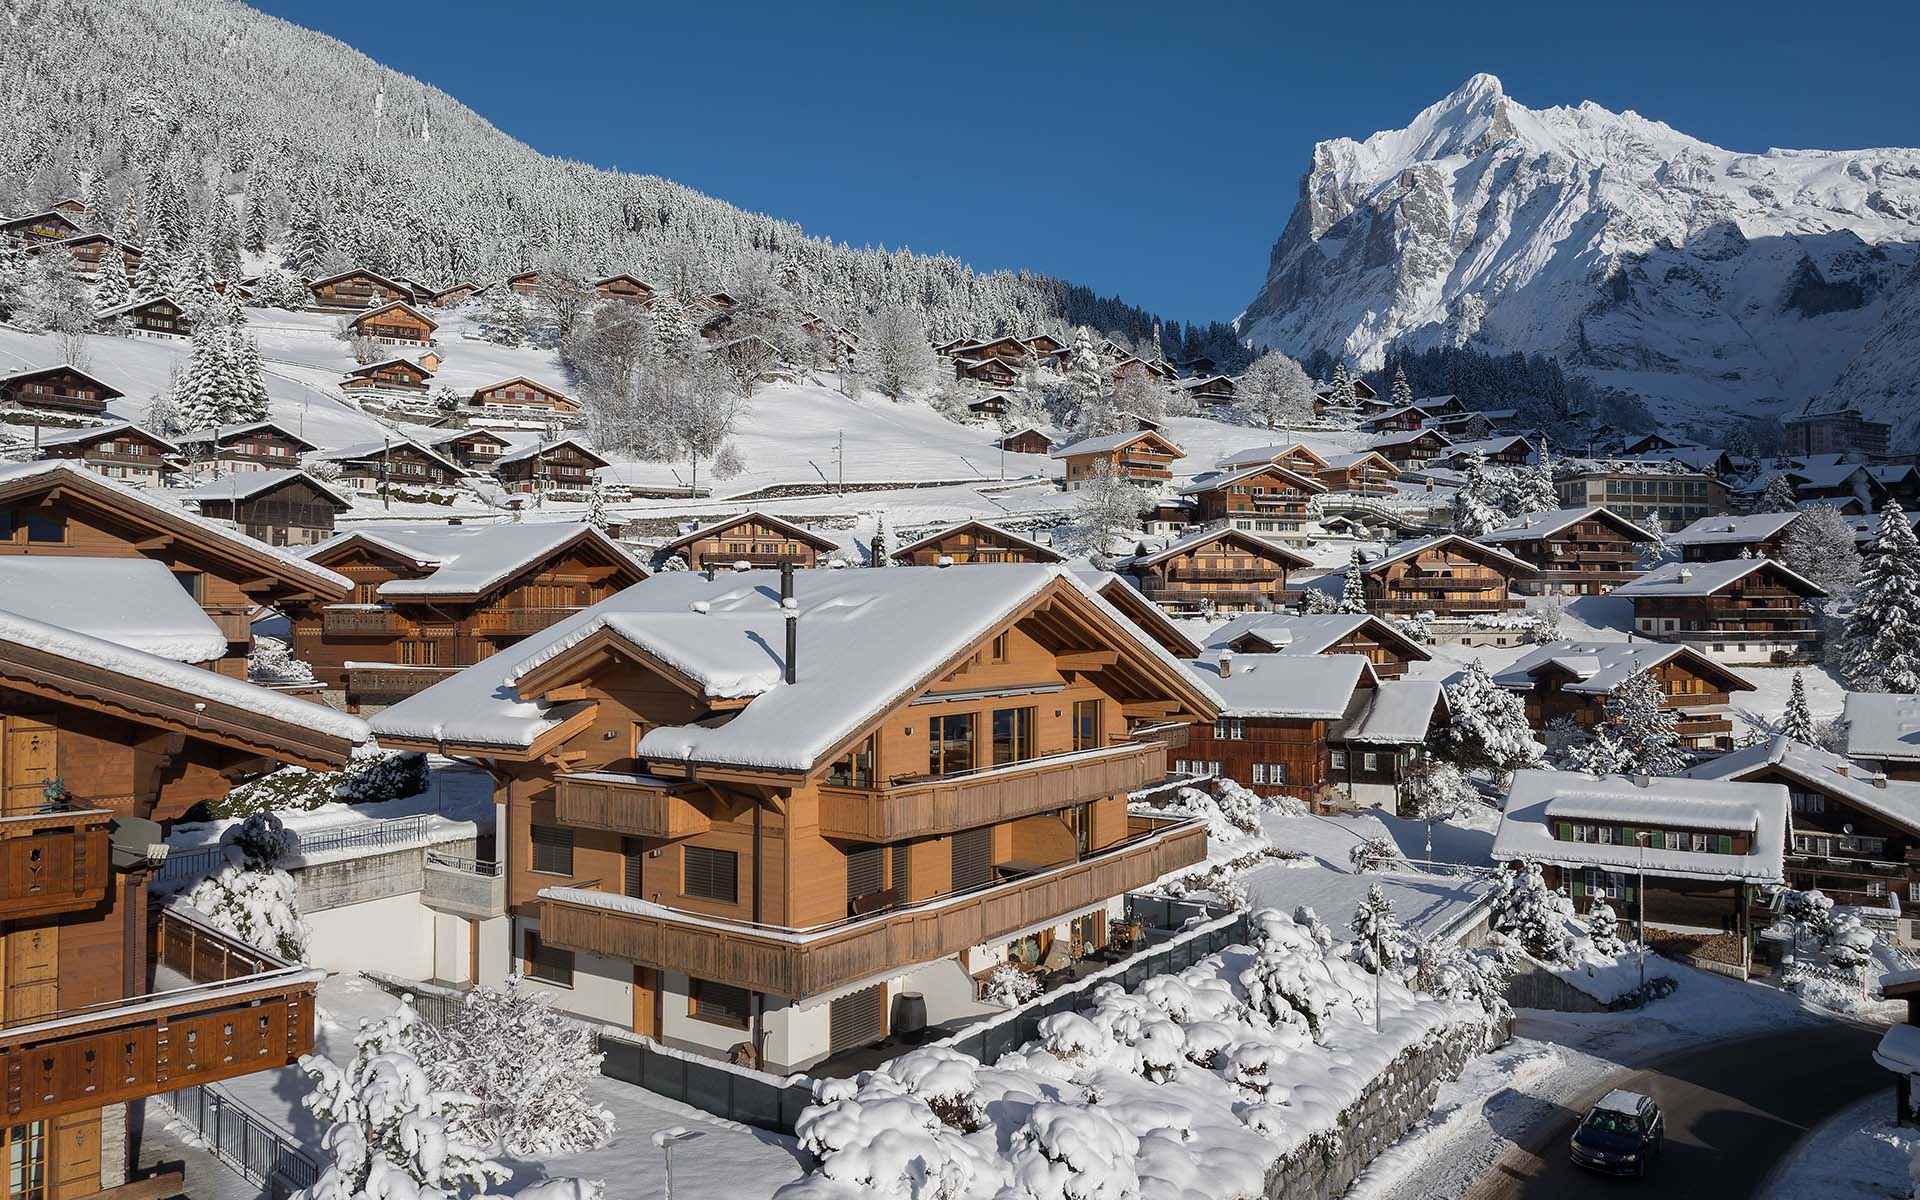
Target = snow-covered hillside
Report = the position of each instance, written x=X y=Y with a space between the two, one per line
x=1709 y=282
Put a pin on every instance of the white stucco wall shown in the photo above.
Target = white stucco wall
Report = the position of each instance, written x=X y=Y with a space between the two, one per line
x=602 y=987
x=452 y=948
x=393 y=934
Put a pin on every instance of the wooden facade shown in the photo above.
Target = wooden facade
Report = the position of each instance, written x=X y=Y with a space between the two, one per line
x=351 y=291
x=1267 y=499
x=1368 y=473
x=1413 y=452
x=564 y=464
x=89 y=250
x=972 y=542
x=160 y=316
x=288 y=508
x=1672 y=499
x=1387 y=651
x=253 y=446
x=398 y=323
x=70 y=511
x=455 y=294
x=61 y=389
x=753 y=538
x=122 y=451
x=396 y=466
x=1576 y=552
x=1694 y=687
x=994 y=372
x=1450 y=576
x=1227 y=570
x=628 y=288
x=412 y=642
x=475 y=449
x=1145 y=457
x=523 y=395
x=53 y=225
x=1756 y=615
x=390 y=375
x=1026 y=441
x=988 y=800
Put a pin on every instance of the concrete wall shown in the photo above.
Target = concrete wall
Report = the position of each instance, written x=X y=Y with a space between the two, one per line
x=452 y=948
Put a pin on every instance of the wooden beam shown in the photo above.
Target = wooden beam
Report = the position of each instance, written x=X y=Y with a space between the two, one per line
x=567 y=693
x=1150 y=708
x=163 y=542
x=565 y=758
x=1087 y=660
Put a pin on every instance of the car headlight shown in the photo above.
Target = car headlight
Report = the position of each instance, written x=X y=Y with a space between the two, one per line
x=1629 y=1157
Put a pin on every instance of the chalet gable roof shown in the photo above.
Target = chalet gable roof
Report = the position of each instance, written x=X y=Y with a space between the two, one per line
x=1547 y=522
x=375 y=451
x=1730 y=529
x=246 y=485
x=822 y=544
x=384 y=363
x=535 y=384
x=86 y=435
x=538 y=449
x=1599 y=668
x=391 y=305
x=1313 y=633
x=1270 y=454
x=469 y=561
x=219 y=434
x=1118 y=441
x=1893 y=800
x=1488 y=554
x=1710 y=578
x=1284 y=686
x=391 y=284
x=1046 y=553
x=1883 y=725
x=1147 y=556
x=1226 y=479
x=107 y=390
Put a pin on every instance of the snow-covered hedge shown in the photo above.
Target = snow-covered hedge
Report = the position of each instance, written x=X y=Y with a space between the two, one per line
x=372 y=775
x=1195 y=1084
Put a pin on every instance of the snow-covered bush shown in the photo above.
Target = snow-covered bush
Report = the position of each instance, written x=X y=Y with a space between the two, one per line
x=1010 y=987
x=875 y=1135
x=527 y=1070
x=1380 y=941
x=1527 y=910
x=272 y=662
x=371 y=775
x=1073 y=1152
x=251 y=896
x=1640 y=735
x=1283 y=985
x=1849 y=945
x=1377 y=853
x=1604 y=928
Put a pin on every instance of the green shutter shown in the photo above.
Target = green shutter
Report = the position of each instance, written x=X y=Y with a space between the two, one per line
x=1657 y=840
x=1579 y=889
x=1562 y=831
x=1726 y=843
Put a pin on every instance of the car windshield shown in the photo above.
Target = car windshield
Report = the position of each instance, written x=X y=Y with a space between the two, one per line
x=1605 y=1120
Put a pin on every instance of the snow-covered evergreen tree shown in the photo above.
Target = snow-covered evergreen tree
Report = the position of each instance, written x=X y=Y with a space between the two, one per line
x=1777 y=497
x=597 y=504
x=251 y=896
x=881 y=548
x=250 y=401
x=1476 y=505
x=1353 y=585
x=1640 y=735
x=1340 y=387
x=505 y=320
x=1380 y=941
x=1091 y=411
x=1797 y=721
x=1487 y=726
x=527 y=1069
x=1402 y=390
x=152 y=279
x=57 y=299
x=1276 y=392
x=14 y=265
x=1604 y=928
x=112 y=285
x=1527 y=488
x=1526 y=910
x=1879 y=650
x=1434 y=792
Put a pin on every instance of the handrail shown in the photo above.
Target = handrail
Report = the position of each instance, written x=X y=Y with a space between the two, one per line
x=467 y=864
x=902 y=782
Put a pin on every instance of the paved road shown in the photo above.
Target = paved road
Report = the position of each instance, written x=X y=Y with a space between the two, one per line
x=1734 y=1110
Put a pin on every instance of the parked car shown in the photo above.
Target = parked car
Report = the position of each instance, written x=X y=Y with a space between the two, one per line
x=1621 y=1135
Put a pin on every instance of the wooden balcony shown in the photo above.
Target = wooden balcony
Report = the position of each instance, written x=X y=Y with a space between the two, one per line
x=932 y=806
x=219 y=1010
x=362 y=620
x=797 y=963
x=54 y=862
x=519 y=620
x=378 y=681
x=635 y=805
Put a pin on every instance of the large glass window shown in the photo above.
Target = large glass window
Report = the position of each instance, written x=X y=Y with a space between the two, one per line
x=856 y=769
x=1086 y=724
x=42 y=527
x=1012 y=735
x=27 y=1161
x=950 y=744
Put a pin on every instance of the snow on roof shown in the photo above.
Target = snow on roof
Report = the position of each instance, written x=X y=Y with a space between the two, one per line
x=1598 y=668
x=1537 y=798
x=1266 y=454
x=728 y=636
x=1547 y=522
x=820 y=541
x=1729 y=529
x=1492 y=445
x=1112 y=441
x=1401 y=712
x=1310 y=633
x=135 y=602
x=1283 y=686
x=79 y=647
x=30 y=372
x=1409 y=435
x=1883 y=725
x=1407 y=549
x=1895 y=800
x=370 y=451
x=244 y=485
x=1050 y=554
x=1899 y=1049
x=471 y=559
x=1340 y=462
x=1218 y=480
x=88 y=433
x=1706 y=578
x=77 y=476
x=1153 y=550
x=213 y=433
x=526 y=452
x=1620 y=1100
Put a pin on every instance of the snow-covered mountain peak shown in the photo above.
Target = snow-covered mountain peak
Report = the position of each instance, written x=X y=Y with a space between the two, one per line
x=1690 y=274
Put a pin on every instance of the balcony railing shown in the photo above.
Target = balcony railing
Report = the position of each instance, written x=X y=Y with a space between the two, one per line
x=519 y=620
x=220 y=1010
x=54 y=862
x=368 y=681
x=362 y=620
x=985 y=797
x=635 y=805
x=1276 y=576
x=800 y=962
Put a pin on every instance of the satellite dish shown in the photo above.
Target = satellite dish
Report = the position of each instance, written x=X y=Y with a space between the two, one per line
x=1847 y=829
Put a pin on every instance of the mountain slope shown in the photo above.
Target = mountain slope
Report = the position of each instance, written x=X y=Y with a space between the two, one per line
x=1709 y=282
x=153 y=110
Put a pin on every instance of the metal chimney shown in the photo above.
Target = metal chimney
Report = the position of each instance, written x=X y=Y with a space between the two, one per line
x=791 y=607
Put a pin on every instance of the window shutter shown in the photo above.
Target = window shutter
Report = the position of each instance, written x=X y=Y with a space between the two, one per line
x=720 y=1002
x=711 y=874
x=866 y=867
x=902 y=873
x=1726 y=843
x=635 y=856
x=972 y=858
x=854 y=1020
x=552 y=849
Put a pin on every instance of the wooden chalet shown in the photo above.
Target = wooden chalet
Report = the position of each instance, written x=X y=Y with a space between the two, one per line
x=524 y=282
x=1497 y=452
x=628 y=288
x=1448 y=575
x=1666 y=496
x=1147 y=617
x=1389 y=651
x=1755 y=535
x=753 y=538
x=1362 y=473
x=1883 y=732
x=246 y=446
x=156 y=316
x=89 y=250
x=1145 y=456
x=993 y=372
x=1266 y=498
x=113 y=996
x=60 y=508
x=388 y=375
x=568 y=464
x=1575 y=551
x=1294 y=456
x=993 y=404
x=49 y=226
x=1026 y=441
x=973 y=542
x=1010 y=350
x=73 y=206
x=524 y=397
x=428 y=600
x=1211 y=391
x=1413 y=450
x=1743 y=610
x=58 y=389
x=751 y=861
x=1225 y=570
x=455 y=294
x=1405 y=419
x=474 y=448
x=121 y=451
x=396 y=465
x=359 y=288
x=1168 y=515
x=1573 y=680
x=1712 y=847
x=398 y=323
x=282 y=507
x=1043 y=345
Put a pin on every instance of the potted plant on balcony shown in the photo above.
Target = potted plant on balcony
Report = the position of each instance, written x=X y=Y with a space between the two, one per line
x=55 y=796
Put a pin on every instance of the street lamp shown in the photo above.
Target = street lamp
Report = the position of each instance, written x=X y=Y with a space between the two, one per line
x=666 y=1140
x=1640 y=900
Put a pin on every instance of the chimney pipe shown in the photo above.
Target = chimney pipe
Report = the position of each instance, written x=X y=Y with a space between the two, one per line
x=786 y=580
x=1226 y=664
x=792 y=608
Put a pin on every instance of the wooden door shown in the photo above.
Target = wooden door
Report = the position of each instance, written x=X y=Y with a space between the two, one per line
x=32 y=973
x=646 y=1001
x=28 y=761
x=75 y=1152
x=857 y=1019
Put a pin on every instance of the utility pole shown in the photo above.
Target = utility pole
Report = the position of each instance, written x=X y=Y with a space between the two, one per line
x=840 y=464
x=1640 y=899
x=386 y=457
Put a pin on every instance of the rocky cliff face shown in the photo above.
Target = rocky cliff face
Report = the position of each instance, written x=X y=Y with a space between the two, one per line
x=1709 y=282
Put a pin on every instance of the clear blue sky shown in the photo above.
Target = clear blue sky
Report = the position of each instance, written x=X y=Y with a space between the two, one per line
x=1154 y=151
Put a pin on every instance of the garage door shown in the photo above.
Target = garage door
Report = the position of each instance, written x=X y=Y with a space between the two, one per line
x=854 y=1019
